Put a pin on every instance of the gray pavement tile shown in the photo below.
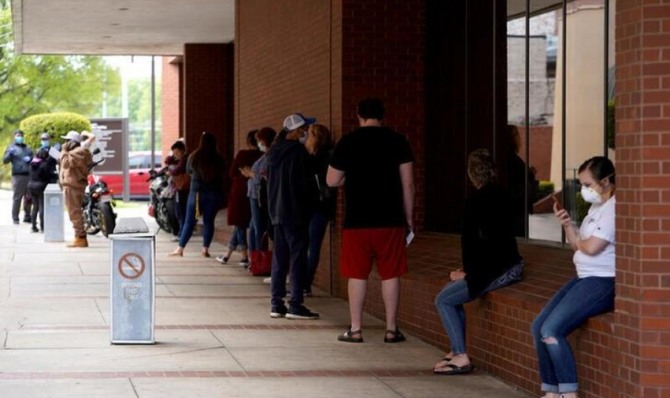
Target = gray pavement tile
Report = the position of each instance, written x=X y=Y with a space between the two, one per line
x=105 y=388
x=265 y=387
x=475 y=385
x=18 y=312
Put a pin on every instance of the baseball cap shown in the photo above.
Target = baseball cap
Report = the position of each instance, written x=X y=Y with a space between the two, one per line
x=296 y=120
x=45 y=136
x=72 y=136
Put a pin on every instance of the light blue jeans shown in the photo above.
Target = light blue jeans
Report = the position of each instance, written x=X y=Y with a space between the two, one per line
x=577 y=301
x=450 y=300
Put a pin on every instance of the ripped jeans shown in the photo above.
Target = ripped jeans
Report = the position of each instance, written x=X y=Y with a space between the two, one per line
x=577 y=301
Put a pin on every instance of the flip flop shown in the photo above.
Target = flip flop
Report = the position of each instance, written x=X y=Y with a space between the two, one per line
x=454 y=370
x=446 y=359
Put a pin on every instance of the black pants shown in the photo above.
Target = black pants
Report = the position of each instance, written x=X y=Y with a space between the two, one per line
x=38 y=206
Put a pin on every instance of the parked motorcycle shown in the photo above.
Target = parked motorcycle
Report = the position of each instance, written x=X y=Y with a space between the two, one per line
x=162 y=203
x=98 y=206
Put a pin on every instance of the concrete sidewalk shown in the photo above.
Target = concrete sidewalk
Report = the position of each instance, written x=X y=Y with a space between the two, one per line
x=214 y=334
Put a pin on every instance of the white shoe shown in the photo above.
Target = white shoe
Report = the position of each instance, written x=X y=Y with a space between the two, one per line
x=267 y=280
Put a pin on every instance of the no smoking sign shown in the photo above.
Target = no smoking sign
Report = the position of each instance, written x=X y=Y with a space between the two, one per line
x=131 y=266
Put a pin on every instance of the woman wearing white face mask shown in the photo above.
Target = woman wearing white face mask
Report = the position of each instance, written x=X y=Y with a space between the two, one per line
x=255 y=174
x=591 y=292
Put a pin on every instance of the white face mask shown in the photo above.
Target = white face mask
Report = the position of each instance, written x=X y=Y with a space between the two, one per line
x=590 y=195
x=303 y=139
x=262 y=147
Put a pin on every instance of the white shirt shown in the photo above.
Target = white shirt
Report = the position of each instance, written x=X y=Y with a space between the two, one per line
x=599 y=222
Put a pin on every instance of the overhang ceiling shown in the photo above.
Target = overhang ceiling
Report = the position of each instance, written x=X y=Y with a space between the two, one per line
x=120 y=27
x=140 y=27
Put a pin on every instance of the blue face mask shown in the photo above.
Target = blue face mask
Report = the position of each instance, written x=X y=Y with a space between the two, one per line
x=45 y=143
x=18 y=140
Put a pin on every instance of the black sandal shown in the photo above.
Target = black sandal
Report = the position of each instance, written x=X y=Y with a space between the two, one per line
x=350 y=336
x=397 y=336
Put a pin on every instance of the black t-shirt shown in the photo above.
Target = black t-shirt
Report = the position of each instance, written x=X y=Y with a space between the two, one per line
x=371 y=157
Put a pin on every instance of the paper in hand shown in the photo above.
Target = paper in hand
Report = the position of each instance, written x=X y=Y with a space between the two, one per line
x=54 y=153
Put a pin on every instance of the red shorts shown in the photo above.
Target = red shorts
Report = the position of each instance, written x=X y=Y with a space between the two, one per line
x=360 y=246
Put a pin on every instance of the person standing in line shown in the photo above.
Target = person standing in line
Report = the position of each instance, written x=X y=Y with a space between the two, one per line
x=491 y=258
x=290 y=206
x=19 y=154
x=205 y=166
x=42 y=171
x=259 y=214
x=239 y=212
x=376 y=167
x=592 y=292
x=319 y=144
x=75 y=164
x=179 y=182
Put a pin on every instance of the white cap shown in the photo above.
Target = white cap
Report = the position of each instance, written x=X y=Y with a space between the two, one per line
x=72 y=136
x=296 y=120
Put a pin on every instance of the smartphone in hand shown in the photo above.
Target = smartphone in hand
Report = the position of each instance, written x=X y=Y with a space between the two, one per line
x=559 y=206
x=408 y=237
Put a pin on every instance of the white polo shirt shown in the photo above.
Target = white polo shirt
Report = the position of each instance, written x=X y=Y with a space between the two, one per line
x=599 y=222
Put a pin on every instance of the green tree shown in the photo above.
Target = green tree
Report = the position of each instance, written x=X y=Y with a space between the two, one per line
x=139 y=114
x=33 y=84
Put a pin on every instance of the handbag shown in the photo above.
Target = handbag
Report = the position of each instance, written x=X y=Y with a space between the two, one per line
x=261 y=262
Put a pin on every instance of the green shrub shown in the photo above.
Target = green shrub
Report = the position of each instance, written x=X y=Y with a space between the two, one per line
x=546 y=188
x=56 y=124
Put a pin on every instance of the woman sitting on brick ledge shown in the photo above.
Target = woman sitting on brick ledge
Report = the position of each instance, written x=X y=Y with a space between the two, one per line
x=591 y=292
x=491 y=259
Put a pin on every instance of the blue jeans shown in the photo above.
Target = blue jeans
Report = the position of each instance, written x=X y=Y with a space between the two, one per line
x=317 y=230
x=257 y=226
x=450 y=300
x=290 y=252
x=577 y=301
x=181 y=200
x=238 y=239
x=209 y=206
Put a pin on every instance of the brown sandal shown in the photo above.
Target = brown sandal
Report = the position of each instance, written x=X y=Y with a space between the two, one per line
x=350 y=336
x=397 y=336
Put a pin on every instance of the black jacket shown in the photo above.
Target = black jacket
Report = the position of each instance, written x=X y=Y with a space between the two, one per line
x=488 y=244
x=42 y=173
x=290 y=192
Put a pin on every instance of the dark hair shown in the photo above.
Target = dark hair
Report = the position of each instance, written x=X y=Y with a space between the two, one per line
x=371 y=108
x=251 y=138
x=179 y=144
x=266 y=134
x=206 y=160
x=324 y=139
x=42 y=153
x=600 y=167
x=18 y=132
x=481 y=168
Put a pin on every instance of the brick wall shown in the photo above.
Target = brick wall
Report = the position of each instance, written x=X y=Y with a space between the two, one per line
x=208 y=94
x=540 y=149
x=643 y=197
x=283 y=62
x=171 y=102
x=381 y=54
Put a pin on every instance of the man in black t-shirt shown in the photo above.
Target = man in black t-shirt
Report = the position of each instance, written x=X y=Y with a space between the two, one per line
x=375 y=166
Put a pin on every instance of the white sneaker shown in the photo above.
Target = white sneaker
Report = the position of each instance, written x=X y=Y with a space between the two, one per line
x=267 y=280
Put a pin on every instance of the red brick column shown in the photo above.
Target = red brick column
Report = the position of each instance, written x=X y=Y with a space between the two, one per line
x=643 y=197
x=171 y=102
x=208 y=95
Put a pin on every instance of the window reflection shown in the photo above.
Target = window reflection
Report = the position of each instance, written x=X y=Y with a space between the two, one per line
x=558 y=128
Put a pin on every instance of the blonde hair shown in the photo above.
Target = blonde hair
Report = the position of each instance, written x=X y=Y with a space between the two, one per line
x=481 y=168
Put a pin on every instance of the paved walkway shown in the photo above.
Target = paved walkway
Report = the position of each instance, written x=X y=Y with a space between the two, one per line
x=214 y=334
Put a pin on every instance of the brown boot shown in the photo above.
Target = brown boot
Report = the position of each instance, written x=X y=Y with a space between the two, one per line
x=78 y=242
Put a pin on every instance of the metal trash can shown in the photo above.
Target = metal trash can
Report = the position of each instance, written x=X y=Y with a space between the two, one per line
x=132 y=285
x=53 y=214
